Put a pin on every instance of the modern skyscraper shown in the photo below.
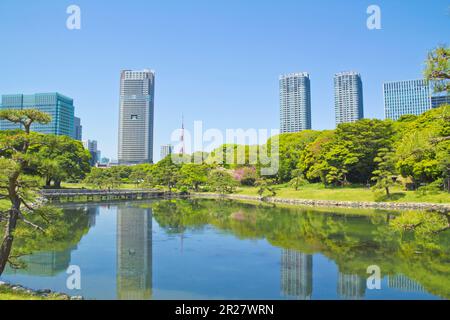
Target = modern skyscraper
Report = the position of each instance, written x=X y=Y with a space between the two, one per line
x=348 y=97
x=406 y=97
x=78 y=129
x=92 y=147
x=136 y=117
x=295 y=102
x=440 y=100
x=166 y=150
x=58 y=106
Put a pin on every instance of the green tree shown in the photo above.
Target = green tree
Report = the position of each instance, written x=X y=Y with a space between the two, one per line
x=166 y=173
x=438 y=69
x=383 y=175
x=298 y=179
x=14 y=184
x=193 y=175
x=58 y=158
x=266 y=186
x=221 y=181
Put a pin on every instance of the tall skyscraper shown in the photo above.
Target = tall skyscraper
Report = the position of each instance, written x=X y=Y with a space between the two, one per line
x=440 y=100
x=92 y=147
x=295 y=102
x=348 y=97
x=78 y=129
x=166 y=150
x=58 y=106
x=406 y=97
x=136 y=117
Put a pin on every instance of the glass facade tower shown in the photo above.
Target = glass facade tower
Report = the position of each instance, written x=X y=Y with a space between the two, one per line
x=58 y=106
x=406 y=97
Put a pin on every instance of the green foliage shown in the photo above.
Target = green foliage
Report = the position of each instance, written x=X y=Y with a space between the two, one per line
x=192 y=176
x=438 y=69
x=383 y=175
x=222 y=181
x=58 y=159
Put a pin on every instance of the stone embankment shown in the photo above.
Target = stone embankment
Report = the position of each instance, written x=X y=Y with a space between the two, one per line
x=44 y=294
x=441 y=207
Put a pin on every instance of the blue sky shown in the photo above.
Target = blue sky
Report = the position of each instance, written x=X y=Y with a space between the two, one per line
x=215 y=61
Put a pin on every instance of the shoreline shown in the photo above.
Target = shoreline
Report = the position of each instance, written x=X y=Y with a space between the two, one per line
x=440 y=207
x=45 y=294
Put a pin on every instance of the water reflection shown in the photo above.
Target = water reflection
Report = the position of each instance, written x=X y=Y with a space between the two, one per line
x=134 y=253
x=296 y=274
x=209 y=249
x=351 y=286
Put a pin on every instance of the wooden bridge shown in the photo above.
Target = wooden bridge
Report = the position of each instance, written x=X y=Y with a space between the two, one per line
x=73 y=195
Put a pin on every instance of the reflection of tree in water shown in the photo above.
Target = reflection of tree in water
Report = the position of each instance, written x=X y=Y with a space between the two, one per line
x=352 y=240
x=134 y=253
x=296 y=274
x=50 y=254
x=43 y=264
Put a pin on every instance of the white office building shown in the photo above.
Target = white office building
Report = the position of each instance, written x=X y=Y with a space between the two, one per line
x=136 y=117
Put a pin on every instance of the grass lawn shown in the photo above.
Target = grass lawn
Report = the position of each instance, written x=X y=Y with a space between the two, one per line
x=319 y=192
x=9 y=294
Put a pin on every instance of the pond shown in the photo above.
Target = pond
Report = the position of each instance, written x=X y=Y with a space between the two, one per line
x=222 y=249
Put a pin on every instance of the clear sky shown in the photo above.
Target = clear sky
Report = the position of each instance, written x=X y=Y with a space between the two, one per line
x=216 y=61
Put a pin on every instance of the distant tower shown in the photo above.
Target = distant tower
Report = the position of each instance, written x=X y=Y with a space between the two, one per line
x=348 y=95
x=183 y=146
x=295 y=102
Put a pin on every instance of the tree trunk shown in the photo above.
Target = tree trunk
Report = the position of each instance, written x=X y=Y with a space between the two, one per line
x=8 y=238
x=388 y=192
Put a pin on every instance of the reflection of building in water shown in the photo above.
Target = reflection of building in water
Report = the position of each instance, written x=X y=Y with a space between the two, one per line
x=44 y=264
x=134 y=253
x=92 y=213
x=403 y=283
x=351 y=286
x=296 y=274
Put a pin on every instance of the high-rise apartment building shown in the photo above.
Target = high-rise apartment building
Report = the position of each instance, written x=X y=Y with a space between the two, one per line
x=295 y=102
x=136 y=117
x=92 y=147
x=58 y=106
x=406 y=97
x=348 y=97
x=166 y=150
x=78 y=129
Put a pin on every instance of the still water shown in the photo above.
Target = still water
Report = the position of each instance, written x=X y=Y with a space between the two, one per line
x=210 y=249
